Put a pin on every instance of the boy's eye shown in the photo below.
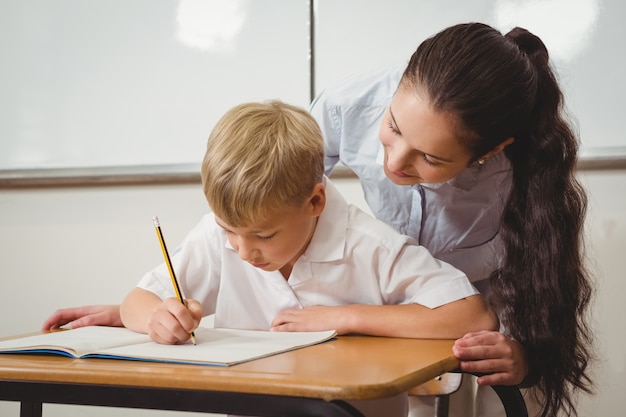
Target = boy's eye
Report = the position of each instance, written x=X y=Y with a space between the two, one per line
x=266 y=237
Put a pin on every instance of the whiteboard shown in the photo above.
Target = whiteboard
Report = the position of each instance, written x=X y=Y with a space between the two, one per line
x=139 y=82
x=585 y=39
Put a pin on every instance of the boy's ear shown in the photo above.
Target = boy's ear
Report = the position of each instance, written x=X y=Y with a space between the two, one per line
x=317 y=201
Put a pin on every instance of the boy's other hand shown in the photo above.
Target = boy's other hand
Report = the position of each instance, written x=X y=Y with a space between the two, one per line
x=75 y=317
x=312 y=319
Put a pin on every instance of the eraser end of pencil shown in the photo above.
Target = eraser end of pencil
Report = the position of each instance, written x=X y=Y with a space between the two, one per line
x=155 y=220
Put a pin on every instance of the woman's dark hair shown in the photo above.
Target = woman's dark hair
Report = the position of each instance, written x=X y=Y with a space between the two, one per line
x=497 y=87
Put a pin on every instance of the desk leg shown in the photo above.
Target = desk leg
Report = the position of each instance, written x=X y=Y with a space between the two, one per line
x=30 y=409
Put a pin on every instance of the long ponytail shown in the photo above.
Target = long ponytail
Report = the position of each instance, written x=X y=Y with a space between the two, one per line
x=542 y=280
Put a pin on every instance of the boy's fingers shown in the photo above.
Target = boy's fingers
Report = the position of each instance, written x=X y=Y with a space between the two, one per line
x=195 y=308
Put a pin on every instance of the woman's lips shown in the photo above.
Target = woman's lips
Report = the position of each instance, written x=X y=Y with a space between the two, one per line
x=401 y=174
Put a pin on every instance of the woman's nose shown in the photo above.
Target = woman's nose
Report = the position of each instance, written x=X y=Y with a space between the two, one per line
x=397 y=157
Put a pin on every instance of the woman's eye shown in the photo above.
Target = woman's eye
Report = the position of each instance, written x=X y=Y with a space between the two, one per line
x=430 y=161
x=392 y=128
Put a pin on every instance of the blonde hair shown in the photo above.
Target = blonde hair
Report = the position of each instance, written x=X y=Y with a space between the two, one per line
x=261 y=158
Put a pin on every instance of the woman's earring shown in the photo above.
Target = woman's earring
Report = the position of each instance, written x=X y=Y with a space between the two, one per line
x=481 y=161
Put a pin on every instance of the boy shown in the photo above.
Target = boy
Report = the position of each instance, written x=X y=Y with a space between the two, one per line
x=283 y=251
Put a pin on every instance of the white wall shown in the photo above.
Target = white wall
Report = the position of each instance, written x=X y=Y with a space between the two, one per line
x=73 y=246
x=606 y=230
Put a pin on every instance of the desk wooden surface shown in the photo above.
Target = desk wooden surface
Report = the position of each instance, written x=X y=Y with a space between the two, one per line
x=348 y=368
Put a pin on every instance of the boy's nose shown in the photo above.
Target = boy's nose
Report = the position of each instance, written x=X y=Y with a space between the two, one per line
x=245 y=249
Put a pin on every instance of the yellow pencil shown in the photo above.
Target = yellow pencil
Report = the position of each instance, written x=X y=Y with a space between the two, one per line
x=168 y=262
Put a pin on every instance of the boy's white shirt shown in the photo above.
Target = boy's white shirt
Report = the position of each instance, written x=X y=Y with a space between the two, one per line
x=352 y=258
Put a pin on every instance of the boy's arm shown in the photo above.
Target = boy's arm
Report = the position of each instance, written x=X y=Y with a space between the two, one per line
x=449 y=321
x=136 y=309
x=165 y=321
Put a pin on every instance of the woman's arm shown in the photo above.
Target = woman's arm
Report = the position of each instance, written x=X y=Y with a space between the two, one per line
x=451 y=320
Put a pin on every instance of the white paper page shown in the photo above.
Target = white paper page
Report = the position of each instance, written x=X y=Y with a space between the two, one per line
x=222 y=346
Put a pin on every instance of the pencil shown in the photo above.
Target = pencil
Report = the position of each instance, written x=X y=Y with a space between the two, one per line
x=168 y=262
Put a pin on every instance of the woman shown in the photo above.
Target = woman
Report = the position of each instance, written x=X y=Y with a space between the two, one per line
x=467 y=150
x=477 y=163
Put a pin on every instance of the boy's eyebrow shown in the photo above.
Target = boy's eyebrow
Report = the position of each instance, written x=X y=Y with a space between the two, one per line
x=256 y=231
x=266 y=230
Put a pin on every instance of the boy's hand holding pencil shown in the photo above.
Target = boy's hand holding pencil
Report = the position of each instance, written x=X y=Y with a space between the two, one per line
x=174 y=322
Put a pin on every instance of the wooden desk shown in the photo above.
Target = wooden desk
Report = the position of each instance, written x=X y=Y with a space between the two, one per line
x=313 y=381
x=317 y=378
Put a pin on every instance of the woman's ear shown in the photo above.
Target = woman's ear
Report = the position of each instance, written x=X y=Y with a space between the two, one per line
x=317 y=200
x=496 y=150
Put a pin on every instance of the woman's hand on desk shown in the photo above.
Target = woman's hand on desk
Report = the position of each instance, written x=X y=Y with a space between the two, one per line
x=500 y=357
x=99 y=315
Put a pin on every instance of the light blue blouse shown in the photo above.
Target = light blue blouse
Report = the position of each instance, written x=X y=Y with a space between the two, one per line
x=458 y=221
